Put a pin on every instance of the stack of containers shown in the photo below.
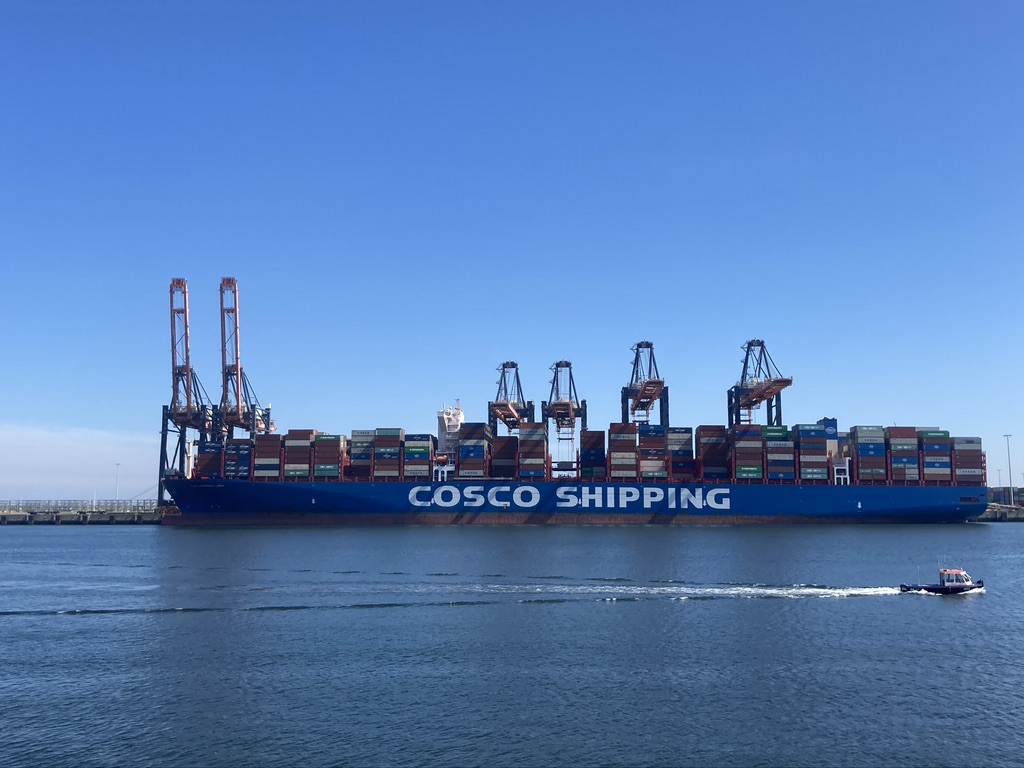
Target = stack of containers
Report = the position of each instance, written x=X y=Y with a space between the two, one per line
x=504 y=456
x=361 y=453
x=713 y=451
x=533 y=450
x=267 y=462
x=238 y=459
x=679 y=444
x=388 y=445
x=937 y=452
x=747 y=451
x=210 y=461
x=904 y=459
x=329 y=454
x=843 y=444
x=780 y=453
x=969 y=461
x=474 y=450
x=831 y=427
x=812 y=452
x=298 y=454
x=593 y=458
x=419 y=455
x=653 y=451
x=867 y=444
x=622 y=451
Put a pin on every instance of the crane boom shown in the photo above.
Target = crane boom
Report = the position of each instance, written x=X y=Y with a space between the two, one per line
x=760 y=382
x=563 y=405
x=190 y=406
x=509 y=405
x=239 y=407
x=646 y=388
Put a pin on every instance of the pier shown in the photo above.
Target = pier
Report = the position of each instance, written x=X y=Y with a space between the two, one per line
x=75 y=512
x=1002 y=513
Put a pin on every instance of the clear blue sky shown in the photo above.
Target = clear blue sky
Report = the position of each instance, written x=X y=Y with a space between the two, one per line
x=410 y=193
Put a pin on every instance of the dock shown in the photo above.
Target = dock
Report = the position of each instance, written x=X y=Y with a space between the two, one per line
x=1002 y=513
x=77 y=512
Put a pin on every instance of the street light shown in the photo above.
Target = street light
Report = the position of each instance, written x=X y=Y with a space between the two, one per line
x=1009 y=469
x=117 y=478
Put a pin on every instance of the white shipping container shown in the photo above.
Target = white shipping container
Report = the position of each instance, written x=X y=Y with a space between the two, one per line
x=266 y=473
x=778 y=444
x=970 y=472
x=296 y=467
x=623 y=459
x=471 y=473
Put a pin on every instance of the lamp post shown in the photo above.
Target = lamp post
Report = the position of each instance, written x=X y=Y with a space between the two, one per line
x=1009 y=468
x=117 y=478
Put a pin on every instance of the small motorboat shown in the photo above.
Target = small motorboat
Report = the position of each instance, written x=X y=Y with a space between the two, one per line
x=952 y=581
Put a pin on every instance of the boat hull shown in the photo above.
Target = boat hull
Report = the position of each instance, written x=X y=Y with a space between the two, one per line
x=248 y=503
x=942 y=589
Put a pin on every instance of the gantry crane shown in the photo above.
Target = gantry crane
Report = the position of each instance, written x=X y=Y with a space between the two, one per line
x=190 y=407
x=760 y=382
x=646 y=387
x=509 y=405
x=239 y=407
x=563 y=406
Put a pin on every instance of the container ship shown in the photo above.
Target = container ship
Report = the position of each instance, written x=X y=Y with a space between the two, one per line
x=545 y=471
x=710 y=475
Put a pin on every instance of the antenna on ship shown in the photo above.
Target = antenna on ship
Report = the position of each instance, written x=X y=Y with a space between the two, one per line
x=190 y=407
x=645 y=389
x=760 y=382
x=239 y=406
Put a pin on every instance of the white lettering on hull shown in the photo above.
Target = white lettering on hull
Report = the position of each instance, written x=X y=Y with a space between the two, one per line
x=569 y=497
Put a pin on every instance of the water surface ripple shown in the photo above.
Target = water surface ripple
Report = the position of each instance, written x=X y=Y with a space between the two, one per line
x=522 y=647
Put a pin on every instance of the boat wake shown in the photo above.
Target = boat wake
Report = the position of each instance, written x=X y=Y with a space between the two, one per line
x=691 y=591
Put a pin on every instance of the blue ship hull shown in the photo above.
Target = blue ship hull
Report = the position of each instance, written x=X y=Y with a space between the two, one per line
x=497 y=502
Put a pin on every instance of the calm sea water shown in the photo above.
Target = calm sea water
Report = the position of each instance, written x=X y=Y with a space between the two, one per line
x=523 y=647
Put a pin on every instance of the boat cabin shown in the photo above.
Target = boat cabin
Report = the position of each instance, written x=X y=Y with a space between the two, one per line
x=954 y=577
